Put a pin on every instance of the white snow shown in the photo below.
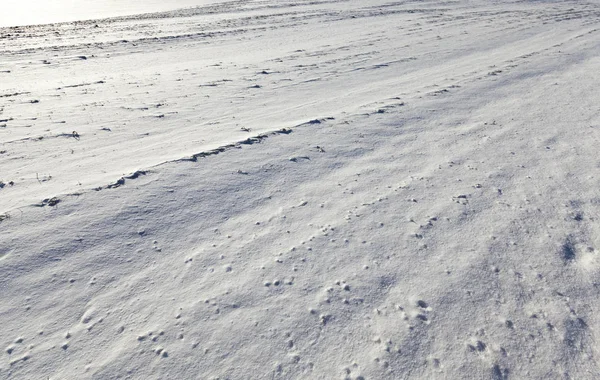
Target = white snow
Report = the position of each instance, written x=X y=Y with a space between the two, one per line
x=32 y=12
x=303 y=190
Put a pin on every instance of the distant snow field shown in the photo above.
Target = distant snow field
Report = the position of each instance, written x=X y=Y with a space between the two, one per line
x=33 y=12
x=303 y=190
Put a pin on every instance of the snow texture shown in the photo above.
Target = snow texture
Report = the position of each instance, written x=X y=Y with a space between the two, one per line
x=303 y=190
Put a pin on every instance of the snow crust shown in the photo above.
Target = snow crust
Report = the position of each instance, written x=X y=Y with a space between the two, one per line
x=303 y=190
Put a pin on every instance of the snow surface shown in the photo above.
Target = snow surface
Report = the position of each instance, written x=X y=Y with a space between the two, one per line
x=303 y=190
x=32 y=12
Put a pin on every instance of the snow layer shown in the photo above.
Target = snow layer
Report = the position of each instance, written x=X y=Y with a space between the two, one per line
x=31 y=12
x=303 y=190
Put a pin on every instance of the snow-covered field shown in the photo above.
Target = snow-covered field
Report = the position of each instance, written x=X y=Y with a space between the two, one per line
x=303 y=190
x=32 y=12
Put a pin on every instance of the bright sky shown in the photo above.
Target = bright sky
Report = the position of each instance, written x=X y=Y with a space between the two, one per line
x=27 y=12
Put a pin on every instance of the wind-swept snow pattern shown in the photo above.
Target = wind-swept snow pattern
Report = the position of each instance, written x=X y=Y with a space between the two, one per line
x=303 y=190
